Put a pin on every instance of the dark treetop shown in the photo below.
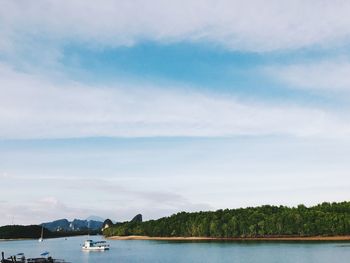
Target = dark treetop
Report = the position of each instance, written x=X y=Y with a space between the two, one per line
x=326 y=219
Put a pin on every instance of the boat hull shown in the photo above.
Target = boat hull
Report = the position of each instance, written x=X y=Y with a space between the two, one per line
x=90 y=245
x=95 y=248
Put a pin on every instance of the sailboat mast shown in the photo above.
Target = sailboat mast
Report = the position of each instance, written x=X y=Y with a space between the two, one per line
x=42 y=234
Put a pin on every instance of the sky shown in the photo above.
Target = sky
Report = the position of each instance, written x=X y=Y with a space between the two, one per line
x=114 y=108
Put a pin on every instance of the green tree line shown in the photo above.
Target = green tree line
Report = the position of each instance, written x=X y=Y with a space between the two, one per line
x=326 y=219
x=34 y=231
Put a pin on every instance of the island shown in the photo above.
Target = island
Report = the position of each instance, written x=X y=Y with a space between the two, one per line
x=326 y=221
x=57 y=228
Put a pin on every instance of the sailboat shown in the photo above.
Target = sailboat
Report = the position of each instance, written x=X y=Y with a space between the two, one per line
x=42 y=234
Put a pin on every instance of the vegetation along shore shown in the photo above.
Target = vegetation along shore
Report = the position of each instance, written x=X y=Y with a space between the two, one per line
x=10 y=232
x=323 y=222
x=326 y=221
x=266 y=238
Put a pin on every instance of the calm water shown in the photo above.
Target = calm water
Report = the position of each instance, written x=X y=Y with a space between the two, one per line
x=159 y=251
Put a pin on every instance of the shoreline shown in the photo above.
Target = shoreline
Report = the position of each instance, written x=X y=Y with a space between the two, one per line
x=311 y=238
x=36 y=238
x=15 y=239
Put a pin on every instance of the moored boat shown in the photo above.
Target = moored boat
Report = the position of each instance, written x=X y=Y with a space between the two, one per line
x=90 y=245
x=20 y=258
x=42 y=234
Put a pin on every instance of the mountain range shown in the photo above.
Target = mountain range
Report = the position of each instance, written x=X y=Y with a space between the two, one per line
x=75 y=225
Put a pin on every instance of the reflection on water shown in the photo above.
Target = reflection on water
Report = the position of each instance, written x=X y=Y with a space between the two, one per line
x=161 y=251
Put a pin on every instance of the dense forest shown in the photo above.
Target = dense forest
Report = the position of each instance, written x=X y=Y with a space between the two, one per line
x=326 y=219
x=34 y=231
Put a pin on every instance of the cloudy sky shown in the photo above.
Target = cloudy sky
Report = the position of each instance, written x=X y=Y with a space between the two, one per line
x=123 y=107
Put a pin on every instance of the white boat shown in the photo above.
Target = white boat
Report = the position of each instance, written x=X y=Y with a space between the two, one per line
x=42 y=235
x=90 y=245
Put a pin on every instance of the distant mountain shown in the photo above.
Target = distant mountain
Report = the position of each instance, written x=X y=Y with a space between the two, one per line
x=137 y=218
x=107 y=223
x=95 y=218
x=75 y=225
x=57 y=225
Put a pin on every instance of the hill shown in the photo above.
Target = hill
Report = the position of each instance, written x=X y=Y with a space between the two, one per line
x=326 y=219
x=34 y=231
x=75 y=225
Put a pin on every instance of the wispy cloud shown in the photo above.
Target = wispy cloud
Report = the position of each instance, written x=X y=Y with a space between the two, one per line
x=35 y=107
x=40 y=100
x=326 y=76
x=5 y=175
x=36 y=211
x=243 y=25
x=108 y=193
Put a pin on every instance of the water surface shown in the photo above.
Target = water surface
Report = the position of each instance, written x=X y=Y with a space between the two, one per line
x=174 y=251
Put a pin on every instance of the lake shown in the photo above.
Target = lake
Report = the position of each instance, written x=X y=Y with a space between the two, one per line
x=165 y=251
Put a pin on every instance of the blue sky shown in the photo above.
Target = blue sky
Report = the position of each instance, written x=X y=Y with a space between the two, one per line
x=222 y=104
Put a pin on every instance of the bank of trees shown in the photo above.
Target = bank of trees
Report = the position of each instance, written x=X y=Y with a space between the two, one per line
x=17 y=231
x=34 y=231
x=326 y=219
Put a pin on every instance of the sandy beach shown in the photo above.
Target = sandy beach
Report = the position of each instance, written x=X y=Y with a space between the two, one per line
x=313 y=238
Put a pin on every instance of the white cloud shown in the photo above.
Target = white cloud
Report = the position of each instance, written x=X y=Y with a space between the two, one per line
x=5 y=175
x=244 y=25
x=70 y=201
x=38 y=211
x=33 y=107
x=329 y=76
